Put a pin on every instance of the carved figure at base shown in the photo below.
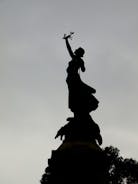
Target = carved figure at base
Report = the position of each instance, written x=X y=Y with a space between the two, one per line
x=80 y=129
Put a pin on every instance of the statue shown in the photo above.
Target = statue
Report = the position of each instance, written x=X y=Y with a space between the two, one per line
x=80 y=94
x=81 y=127
x=79 y=159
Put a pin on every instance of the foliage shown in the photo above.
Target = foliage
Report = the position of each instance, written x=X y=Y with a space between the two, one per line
x=120 y=170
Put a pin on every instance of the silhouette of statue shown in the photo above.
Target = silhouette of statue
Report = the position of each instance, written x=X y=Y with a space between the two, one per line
x=80 y=94
x=77 y=130
x=79 y=159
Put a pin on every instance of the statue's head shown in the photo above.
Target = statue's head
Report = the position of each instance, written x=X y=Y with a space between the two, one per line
x=79 y=52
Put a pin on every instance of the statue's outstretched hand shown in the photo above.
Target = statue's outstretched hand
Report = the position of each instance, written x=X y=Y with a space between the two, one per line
x=65 y=37
x=68 y=36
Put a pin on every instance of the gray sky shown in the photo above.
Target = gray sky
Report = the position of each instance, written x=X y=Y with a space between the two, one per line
x=33 y=92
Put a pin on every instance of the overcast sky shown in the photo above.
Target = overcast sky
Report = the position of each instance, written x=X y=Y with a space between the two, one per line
x=33 y=92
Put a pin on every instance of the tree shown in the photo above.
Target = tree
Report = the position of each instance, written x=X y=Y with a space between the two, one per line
x=120 y=170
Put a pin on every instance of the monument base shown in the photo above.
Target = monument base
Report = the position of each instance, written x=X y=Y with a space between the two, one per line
x=76 y=163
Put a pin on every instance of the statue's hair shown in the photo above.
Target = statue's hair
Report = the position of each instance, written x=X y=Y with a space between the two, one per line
x=80 y=50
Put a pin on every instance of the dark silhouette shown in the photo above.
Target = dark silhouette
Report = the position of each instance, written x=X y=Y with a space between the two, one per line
x=76 y=129
x=80 y=94
x=79 y=159
x=120 y=170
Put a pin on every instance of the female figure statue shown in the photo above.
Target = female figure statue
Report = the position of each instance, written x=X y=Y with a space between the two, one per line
x=80 y=94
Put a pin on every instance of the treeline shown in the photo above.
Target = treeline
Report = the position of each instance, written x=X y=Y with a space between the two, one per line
x=120 y=170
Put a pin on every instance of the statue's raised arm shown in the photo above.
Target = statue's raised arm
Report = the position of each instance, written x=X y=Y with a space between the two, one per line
x=66 y=37
x=76 y=55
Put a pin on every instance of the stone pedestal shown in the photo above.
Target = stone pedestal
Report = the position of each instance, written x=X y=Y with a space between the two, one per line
x=76 y=163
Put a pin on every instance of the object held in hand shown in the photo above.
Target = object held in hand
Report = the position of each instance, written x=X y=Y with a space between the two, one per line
x=68 y=36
